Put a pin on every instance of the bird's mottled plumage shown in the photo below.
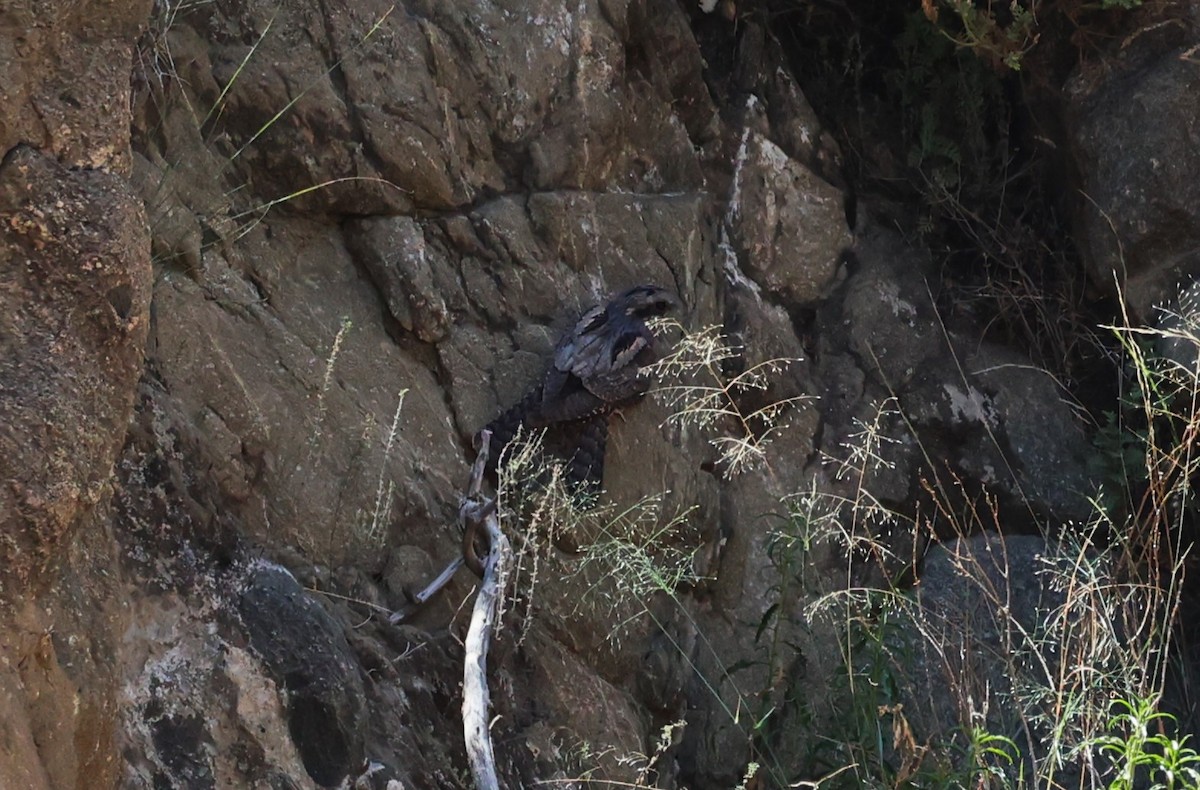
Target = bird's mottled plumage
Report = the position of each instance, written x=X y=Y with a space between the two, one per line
x=596 y=369
x=597 y=364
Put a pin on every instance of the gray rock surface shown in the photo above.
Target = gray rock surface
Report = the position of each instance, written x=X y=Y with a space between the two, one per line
x=1132 y=124
x=788 y=224
x=306 y=654
x=982 y=641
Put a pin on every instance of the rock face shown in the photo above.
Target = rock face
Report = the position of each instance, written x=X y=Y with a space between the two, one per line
x=66 y=88
x=787 y=223
x=1132 y=126
x=982 y=599
x=76 y=256
x=75 y=319
x=306 y=654
x=247 y=338
x=998 y=618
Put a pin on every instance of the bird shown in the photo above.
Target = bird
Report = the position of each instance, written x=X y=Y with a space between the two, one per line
x=597 y=368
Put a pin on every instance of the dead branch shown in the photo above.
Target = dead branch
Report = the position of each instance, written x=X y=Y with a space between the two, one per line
x=431 y=589
x=476 y=514
x=470 y=529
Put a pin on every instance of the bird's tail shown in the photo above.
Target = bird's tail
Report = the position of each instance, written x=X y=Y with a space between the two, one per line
x=578 y=443
x=506 y=427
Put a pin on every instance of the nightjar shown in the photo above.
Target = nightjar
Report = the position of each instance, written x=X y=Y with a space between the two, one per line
x=597 y=368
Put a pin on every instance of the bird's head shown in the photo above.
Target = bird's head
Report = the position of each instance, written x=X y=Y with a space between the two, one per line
x=646 y=301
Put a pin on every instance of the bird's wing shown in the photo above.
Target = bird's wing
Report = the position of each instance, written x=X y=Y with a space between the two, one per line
x=587 y=330
x=619 y=386
x=613 y=373
x=596 y=366
x=601 y=374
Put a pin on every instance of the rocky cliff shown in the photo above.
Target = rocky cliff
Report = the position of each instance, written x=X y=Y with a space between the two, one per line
x=269 y=268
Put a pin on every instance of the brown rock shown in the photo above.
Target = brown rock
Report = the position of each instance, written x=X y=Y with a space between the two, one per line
x=74 y=322
x=788 y=225
x=66 y=79
x=393 y=250
x=301 y=394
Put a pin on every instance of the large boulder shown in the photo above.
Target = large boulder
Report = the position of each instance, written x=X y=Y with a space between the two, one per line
x=1132 y=120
